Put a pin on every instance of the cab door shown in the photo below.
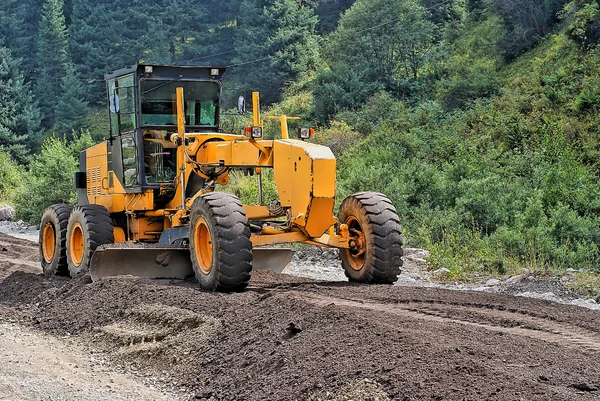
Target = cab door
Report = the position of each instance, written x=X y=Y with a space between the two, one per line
x=126 y=149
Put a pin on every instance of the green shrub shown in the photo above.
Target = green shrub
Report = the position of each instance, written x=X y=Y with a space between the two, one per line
x=339 y=136
x=525 y=22
x=583 y=18
x=342 y=88
x=245 y=187
x=10 y=176
x=588 y=100
x=475 y=80
x=49 y=177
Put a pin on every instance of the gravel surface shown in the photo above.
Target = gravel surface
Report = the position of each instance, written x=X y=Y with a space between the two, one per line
x=37 y=366
x=19 y=229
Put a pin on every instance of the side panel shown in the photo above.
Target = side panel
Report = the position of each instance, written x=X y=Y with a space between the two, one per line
x=96 y=169
x=305 y=178
x=237 y=153
x=103 y=186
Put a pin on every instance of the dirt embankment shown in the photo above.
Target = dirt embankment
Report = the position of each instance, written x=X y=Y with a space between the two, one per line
x=290 y=338
x=18 y=255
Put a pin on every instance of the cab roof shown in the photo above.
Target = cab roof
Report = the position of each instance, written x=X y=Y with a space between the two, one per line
x=169 y=72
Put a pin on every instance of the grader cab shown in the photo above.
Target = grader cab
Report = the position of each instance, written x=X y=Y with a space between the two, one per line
x=148 y=205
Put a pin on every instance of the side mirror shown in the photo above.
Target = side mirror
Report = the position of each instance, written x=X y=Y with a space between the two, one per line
x=241 y=105
x=114 y=103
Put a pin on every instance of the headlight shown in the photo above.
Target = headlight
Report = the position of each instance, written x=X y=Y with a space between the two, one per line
x=305 y=133
x=254 y=132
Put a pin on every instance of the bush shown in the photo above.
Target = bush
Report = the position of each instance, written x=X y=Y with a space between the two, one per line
x=49 y=178
x=245 y=187
x=10 y=176
x=342 y=88
x=338 y=137
x=470 y=71
x=476 y=81
x=584 y=21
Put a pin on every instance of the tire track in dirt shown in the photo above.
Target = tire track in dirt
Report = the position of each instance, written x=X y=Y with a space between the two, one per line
x=508 y=322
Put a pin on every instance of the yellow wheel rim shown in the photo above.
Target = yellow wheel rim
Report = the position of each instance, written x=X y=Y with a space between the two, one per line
x=203 y=245
x=48 y=242
x=76 y=244
x=356 y=252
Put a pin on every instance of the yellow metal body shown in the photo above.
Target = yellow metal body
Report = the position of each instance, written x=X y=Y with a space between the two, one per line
x=304 y=175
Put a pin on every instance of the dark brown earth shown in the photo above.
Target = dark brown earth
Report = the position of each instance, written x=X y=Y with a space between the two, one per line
x=288 y=338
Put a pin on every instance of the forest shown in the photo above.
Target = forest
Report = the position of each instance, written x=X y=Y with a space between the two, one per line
x=478 y=118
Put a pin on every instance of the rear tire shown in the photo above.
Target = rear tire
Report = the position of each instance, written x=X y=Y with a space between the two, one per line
x=220 y=247
x=375 y=232
x=89 y=227
x=53 y=237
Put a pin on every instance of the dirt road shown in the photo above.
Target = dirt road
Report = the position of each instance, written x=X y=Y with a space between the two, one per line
x=34 y=366
x=290 y=338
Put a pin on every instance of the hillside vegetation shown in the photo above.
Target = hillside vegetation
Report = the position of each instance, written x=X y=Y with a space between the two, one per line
x=478 y=118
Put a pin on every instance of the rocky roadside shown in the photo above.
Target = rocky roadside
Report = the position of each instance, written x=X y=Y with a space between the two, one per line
x=19 y=229
x=324 y=264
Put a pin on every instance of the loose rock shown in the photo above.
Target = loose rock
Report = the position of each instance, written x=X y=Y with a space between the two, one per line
x=441 y=272
x=6 y=213
x=514 y=279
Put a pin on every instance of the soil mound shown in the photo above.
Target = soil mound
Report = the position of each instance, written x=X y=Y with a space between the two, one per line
x=292 y=338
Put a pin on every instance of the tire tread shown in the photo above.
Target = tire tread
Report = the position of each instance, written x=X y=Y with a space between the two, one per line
x=232 y=237
x=383 y=259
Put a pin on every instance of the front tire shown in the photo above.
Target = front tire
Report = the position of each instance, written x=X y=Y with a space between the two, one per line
x=53 y=238
x=89 y=227
x=375 y=255
x=220 y=246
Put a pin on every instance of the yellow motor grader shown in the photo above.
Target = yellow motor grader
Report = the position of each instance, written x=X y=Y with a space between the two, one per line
x=147 y=203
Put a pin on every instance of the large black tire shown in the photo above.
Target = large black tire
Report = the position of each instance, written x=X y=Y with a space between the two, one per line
x=375 y=231
x=53 y=237
x=89 y=227
x=220 y=247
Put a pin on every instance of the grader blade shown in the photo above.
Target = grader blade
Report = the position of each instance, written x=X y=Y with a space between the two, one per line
x=169 y=261
x=146 y=262
x=275 y=259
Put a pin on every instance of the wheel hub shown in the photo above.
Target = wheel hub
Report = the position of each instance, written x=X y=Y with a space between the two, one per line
x=203 y=245
x=49 y=242
x=76 y=244
x=357 y=244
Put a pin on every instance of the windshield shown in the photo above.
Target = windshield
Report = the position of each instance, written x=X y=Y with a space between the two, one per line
x=159 y=105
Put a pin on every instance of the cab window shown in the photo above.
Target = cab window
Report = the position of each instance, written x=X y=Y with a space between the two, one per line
x=126 y=93
x=130 y=165
x=159 y=107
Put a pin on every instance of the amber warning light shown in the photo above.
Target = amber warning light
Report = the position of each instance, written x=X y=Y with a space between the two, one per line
x=253 y=132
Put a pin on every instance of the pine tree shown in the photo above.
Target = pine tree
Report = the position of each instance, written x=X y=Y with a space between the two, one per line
x=19 y=22
x=212 y=43
x=106 y=35
x=51 y=59
x=19 y=116
x=275 y=42
x=329 y=12
x=72 y=108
